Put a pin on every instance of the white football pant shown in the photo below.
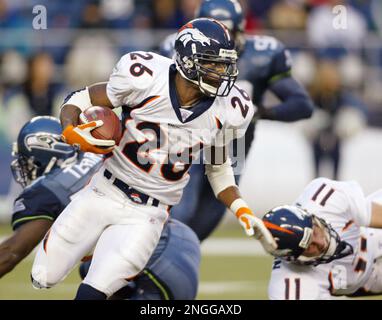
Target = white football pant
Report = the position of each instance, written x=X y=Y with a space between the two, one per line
x=124 y=234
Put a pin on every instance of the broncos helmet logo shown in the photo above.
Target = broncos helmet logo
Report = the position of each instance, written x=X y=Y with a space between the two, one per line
x=188 y=34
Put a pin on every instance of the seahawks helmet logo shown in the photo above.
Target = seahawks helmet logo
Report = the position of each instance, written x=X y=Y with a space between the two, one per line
x=44 y=141
x=192 y=34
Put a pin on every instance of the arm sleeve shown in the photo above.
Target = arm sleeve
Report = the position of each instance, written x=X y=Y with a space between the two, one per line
x=357 y=205
x=120 y=84
x=36 y=203
x=281 y=65
x=295 y=103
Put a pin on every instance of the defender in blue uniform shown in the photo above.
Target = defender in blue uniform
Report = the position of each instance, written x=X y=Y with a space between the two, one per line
x=265 y=64
x=51 y=172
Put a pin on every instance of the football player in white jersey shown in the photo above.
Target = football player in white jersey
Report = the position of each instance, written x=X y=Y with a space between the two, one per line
x=171 y=110
x=329 y=243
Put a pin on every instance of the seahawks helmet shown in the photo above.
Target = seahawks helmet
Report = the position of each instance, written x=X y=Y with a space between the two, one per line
x=39 y=148
x=292 y=229
x=228 y=12
x=205 y=55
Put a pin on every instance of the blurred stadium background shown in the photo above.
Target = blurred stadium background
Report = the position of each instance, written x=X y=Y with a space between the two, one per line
x=341 y=68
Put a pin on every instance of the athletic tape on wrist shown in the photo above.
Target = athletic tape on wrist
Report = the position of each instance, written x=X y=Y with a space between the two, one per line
x=238 y=204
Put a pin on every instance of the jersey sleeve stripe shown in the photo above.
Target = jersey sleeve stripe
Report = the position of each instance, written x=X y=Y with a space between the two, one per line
x=280 y=76
x=31 y=218
x=145 y=101
x=347 y=225
x=165 y=292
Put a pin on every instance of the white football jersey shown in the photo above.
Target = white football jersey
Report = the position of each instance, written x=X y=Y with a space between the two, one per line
x=343 y=205
x=160 y=138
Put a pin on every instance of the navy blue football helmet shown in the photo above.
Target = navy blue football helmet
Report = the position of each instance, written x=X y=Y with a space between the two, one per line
x=292 y=228
x=228 y=12
x=205 y=55
x=39 y=148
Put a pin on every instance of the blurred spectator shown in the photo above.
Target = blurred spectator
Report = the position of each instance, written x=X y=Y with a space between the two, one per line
x=256 y=13
x=187 y=9
x=365 y=8
x=117 y=13
x=335 y=42
x=339 y=116
x=287 y=14
x=39 y=88
x=63 y=14
x=92 y=16
x=36 y=96
x=376 y=12
x=166 y=14
x=11 y=16
x=13 y=69
x=90 y=60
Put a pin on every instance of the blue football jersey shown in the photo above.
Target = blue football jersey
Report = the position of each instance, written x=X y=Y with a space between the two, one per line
x=48 y=195
x=263 y=61
x=174 y=264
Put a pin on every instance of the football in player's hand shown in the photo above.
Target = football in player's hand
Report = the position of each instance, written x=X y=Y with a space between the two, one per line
x=111 y=128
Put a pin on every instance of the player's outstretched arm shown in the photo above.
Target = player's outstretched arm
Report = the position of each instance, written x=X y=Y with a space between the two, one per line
x=221 y=178
x=74 y=104
x=21 y=243
x=295 y=103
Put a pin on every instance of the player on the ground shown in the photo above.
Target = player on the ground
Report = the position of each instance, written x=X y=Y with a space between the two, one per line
x=172 y=272
x=327 y=243
x=50 y=171
x=264 y=64
x=171 y=110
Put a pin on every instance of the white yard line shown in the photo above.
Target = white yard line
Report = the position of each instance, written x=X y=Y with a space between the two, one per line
x=220 y=247
x=222 y=287
x=232 y=247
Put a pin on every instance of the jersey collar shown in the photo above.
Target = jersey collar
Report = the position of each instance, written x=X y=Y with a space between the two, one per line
x=199 y=108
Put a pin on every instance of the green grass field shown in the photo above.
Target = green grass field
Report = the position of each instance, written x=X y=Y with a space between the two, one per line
x=221 y=276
